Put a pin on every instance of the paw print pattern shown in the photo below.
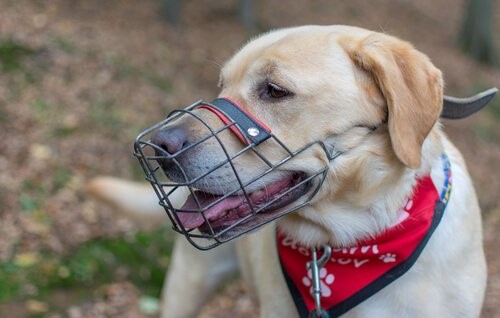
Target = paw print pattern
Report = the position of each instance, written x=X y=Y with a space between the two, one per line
x=403 y=214
x=388 y=257
x=325 y=280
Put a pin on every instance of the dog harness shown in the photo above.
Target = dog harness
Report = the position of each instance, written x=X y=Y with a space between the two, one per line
x=351 y=275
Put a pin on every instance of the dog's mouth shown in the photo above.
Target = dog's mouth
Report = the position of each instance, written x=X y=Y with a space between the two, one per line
x=211 y=213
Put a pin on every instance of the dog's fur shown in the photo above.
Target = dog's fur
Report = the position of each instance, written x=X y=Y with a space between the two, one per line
x=344 y=80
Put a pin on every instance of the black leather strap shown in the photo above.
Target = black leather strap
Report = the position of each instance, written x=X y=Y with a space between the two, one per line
x=251 y=127
x=457 y=108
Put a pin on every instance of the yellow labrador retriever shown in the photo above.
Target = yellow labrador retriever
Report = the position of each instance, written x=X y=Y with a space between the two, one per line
x=389 y=226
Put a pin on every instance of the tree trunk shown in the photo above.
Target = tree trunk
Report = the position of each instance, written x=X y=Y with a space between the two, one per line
x=476 y=34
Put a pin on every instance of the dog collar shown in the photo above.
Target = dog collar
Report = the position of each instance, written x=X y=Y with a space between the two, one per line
x=353 y=274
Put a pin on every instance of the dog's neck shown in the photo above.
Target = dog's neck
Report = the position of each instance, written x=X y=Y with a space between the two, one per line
x=358 y=215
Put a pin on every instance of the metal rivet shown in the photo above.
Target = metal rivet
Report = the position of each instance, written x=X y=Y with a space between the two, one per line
x=253 y=131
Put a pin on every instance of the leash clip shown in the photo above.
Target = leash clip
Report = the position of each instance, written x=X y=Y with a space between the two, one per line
x=315 y=265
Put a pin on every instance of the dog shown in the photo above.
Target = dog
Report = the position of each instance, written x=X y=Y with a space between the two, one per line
x=377 y=101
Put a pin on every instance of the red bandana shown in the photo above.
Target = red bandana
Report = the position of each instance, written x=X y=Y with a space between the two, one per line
x=354 y=274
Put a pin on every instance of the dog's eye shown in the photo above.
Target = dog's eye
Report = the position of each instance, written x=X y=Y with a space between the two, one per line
x=274 y=91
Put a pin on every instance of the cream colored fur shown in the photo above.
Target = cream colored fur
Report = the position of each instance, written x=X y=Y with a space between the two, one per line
x=342 y=78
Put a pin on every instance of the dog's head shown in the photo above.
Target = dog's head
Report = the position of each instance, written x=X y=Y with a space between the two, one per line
x=371 y=97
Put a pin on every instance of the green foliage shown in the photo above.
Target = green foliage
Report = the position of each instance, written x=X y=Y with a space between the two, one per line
x=63 y=131
x=65 y=44
x=125 y=69
x=136 y=171
x=32 y=196
x=158 y=81
x=28 y=203
x=61 y=177
x=11 y=54
x=142 y=259
x=483 y=133
x=106 y=116
x=41 y=108
x=3 y=113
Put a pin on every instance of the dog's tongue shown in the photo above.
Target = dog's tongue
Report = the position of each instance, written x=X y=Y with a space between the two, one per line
x=191 y=220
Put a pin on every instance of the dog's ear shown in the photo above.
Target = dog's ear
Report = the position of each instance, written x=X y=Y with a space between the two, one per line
x=410 y=84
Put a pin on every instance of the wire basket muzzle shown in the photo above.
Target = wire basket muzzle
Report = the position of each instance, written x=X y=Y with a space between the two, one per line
x=213 y=192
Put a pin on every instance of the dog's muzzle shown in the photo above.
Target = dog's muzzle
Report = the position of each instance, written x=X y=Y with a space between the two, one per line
x=206 y=187
x=222 y=201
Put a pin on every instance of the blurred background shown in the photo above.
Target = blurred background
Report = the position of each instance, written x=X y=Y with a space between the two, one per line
x=80 y=78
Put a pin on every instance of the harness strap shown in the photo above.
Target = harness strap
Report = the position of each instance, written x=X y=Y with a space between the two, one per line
x=251 y=130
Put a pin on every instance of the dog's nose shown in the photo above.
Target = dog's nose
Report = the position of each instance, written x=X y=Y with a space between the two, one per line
x=171 y=139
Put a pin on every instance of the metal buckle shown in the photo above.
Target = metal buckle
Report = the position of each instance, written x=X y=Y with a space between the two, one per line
x=315 y=265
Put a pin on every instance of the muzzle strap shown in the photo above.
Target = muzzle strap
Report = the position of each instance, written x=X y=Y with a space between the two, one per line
x=247 y=128
x=457 y=108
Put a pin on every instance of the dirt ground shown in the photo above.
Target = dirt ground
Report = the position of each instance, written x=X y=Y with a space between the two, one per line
x=97 y=72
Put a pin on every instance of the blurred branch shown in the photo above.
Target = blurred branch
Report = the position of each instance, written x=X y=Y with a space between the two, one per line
x=171 y=10
x=475 y=37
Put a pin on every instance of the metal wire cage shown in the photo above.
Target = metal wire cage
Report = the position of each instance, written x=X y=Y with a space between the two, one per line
x=249 y=214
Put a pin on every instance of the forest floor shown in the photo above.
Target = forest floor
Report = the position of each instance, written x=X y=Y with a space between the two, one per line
x=80 y=79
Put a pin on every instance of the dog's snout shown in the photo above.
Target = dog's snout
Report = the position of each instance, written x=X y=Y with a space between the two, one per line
x=171 y=139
